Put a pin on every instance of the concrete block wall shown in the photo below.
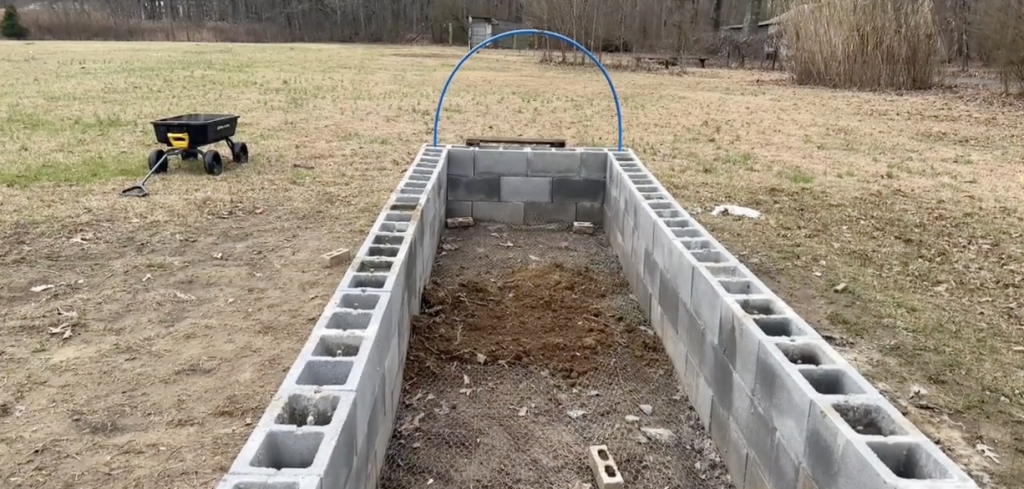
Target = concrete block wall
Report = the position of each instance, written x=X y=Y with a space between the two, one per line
x=527 y=185
x=329 y=423
x=783 y=407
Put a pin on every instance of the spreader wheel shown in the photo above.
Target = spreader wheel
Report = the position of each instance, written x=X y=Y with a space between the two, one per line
x=212 y=163
x=156 y=157
x=240 y=153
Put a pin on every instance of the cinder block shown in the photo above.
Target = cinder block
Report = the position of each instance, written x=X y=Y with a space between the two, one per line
x=455 y=223
x=500 y=162
x=606 y=472
x=720 y=377
x=785 y=467
x=583 y=227
x=706 y=302
x=506 y=212
x=690 y=381
x=688 y=328
x=835 y=460
x=652 y=272
x=758 y=435
x=705 y=398
x=739 y=342
x=474 y=189
x=547 y=213
x=594 y=164
x=577 y=190
x=554 y=163
x=779 y=395
x=729 y=443
x=590 y=212
x=755 y=477
x=456 y=208
x=643 y=294
x=460 y=161
x=668 y=299
x=680 y=268
x=525 y=189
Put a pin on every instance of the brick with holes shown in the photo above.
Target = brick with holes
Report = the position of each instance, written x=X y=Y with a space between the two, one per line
x=606 y=473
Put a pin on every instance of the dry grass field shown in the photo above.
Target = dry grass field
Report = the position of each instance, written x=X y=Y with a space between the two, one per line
x=172 y=319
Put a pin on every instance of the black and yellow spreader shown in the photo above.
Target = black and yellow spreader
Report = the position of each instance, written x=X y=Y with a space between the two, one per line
x=185 y=135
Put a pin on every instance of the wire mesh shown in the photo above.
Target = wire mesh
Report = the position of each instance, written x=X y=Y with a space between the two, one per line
x=529 y=348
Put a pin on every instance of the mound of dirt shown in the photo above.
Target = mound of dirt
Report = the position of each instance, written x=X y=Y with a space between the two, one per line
x=554 y=316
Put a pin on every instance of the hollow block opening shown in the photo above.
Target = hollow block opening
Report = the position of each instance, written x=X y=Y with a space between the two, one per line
x=398 y=217
x=360 y=302
x=394 y=227
x=388 y=251
x=831 y=381
x=803 y=354
x=367 y=281
x=725 y=272
x=696 y=244
x=678 y=223
x=348 y=320
x=868 y=419
x=325 y=372
x=686 y=233
x=778 y=326
x=265 y=485
x=287 y=450
x=398 y=206
x=709 y=256
x=302 y=410
x=669 y=213
x=741 y=287
x=388 y=239
x=374 y=266
x=760 y=307
x=333 y=345
x=909 y=460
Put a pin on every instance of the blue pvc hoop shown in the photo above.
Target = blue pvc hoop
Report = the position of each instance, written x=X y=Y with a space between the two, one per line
x=503 y=35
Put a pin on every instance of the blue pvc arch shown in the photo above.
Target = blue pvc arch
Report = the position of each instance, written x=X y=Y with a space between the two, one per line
x=503 y=35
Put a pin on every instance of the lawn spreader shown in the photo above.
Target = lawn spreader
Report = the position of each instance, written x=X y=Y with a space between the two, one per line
x=186 y=135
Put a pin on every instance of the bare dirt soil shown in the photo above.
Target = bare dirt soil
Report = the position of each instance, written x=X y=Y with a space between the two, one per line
x=911 y=199
x=531 y=349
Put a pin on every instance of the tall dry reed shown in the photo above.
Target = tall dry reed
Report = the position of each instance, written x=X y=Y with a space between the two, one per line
x=861 y=44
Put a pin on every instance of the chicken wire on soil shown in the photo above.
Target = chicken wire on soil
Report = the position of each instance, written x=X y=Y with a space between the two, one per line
x=529 y=348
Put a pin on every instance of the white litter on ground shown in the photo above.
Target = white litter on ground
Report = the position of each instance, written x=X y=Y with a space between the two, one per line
x=735 y=210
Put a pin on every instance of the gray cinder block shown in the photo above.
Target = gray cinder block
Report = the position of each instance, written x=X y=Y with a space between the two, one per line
x=706 y=302
x=525 y=189
x=781 y=397
x=455 y=208
x=554 y=163
x=506 y=212
x=460 y=161
x=590 y=212
x=500 y=162
x=755 y=477
x=594 y=165
x=576 y=190
x=784 y=467
x=474 y=189
x=739 y=342
x=549 y=213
